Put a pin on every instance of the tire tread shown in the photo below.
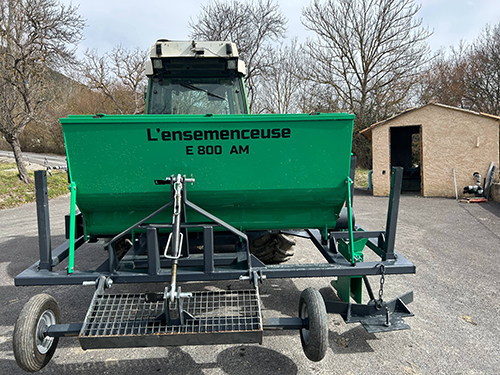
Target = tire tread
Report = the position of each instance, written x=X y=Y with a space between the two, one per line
x=24 y=341
x=315 y=348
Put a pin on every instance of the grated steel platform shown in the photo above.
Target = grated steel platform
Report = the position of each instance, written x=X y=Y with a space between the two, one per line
x=134 y=320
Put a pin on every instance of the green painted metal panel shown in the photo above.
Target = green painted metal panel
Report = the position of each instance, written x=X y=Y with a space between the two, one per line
x=350 y=286
x=252 y=171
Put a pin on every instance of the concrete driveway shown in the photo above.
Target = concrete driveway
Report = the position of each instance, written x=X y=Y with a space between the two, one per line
x=456 y=327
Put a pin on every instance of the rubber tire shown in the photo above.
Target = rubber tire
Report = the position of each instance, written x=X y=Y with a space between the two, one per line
x=315 y=339
x=273 y=248
x=26 y=352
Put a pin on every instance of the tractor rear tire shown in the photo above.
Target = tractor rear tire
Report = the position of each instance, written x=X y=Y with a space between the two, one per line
x=273 y=248
x=32 y=349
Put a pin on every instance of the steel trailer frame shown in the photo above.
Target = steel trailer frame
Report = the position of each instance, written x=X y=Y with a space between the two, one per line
x=148 y=266
x=205 y=268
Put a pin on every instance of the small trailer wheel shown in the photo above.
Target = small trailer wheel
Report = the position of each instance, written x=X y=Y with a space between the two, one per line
x=32 y=349
x=314 y=338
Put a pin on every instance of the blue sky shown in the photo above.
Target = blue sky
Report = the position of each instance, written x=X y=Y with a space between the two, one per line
x=134 y=24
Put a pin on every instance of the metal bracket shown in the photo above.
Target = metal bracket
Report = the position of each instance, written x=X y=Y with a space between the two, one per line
x=169 y=299
x=101 y=283
x=255 y=277
x=385 y=319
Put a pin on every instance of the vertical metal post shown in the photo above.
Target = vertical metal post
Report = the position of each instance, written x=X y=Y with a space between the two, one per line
x=43 y=218
x=208 y=249
x=153 y=252
x=184 y=231
x=392 y=212
x=72 y=228
x=349 y=218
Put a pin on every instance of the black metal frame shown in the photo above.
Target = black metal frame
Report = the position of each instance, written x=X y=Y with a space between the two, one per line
x=144 y=257
x=148 y=266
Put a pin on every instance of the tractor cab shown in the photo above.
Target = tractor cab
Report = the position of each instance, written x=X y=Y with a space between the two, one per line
x=195 y=78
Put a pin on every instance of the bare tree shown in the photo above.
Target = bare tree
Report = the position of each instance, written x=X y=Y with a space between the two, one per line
x=251 y=25
x=119 y=75
x=280 y=87
x=317 y=97
x=468 y=76
x=483 y=74
x=444 y=80
x=368 y=51
x=35 y=35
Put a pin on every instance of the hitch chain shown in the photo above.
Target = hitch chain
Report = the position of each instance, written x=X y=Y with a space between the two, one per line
x=379 y=303
x=176 y=253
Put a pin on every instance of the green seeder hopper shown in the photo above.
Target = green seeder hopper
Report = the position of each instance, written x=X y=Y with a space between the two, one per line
x=253 y=171
x=197 y=189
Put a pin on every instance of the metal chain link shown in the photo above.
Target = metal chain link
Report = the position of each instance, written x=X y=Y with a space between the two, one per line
x=176 y=253
x=380 y=301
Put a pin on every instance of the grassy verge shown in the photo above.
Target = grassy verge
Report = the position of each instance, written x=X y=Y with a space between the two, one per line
x=14 y=193
x=361 y=178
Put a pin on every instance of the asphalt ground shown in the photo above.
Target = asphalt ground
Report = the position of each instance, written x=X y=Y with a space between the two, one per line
x=40 y=159
x=456 y=328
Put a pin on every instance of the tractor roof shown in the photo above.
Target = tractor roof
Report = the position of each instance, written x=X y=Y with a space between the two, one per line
x=164 y=49
x=171 y=48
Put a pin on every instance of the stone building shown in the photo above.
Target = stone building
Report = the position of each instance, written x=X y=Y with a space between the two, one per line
x=430 y=142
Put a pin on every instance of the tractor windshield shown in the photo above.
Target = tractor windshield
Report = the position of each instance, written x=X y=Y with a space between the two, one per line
x=196 y=95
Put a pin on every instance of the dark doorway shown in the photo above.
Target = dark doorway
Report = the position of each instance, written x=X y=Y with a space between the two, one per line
x=406 y=152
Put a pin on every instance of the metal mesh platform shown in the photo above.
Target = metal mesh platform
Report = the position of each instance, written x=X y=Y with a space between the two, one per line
x=129 y=320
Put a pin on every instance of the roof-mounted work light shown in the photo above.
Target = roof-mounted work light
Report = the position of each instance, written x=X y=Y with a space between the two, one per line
x=232 y=65
x=157 y=64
